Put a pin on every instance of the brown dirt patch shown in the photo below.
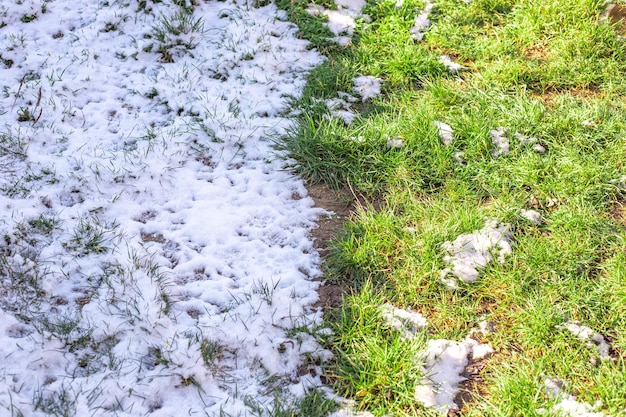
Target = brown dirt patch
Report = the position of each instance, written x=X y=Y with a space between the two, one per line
x=615 y=14
x=341 y=204
x=618 y=212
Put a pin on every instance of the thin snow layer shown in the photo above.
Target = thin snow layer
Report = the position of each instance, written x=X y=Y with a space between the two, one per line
x=165 y=248
x=469 y=253
x=341 y=22
x=590 y=337
x=422 y=22
x=568 y=404
x=444 y=363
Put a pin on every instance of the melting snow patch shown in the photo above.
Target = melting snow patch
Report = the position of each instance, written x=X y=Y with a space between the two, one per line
x=450 y=64
x=406 y=322
x=341 y=22
x=532 y=216
x=569 y=405
x=470 y=252
x=445 y=132
x=530 y=141
x=422 y=22
x=590 y=337
x=395 y=143
x=444 y=363
x=366 y=86
x=500 y=141
x=341 y=108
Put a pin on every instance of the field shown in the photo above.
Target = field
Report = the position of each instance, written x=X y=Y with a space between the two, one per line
x=484 y=154
x=161 y=251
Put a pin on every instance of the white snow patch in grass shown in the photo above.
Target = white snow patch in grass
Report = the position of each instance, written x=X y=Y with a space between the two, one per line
x=568 y=406
x=444 y=363
x=532 y=216
x=446 y=134
x=366 y=86
x=469 y=253
x=422 y=22
x=404 y=321
x=500 y=141
x=450 y=64
x=459 y=157
x=530 y=141
x=590 y=337
x=395 y=143
x=341 y=22
x=341 y=108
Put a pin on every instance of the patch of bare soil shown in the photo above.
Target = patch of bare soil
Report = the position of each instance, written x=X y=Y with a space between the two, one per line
x=341 y=204
x=618 y=212
x=615 y=14
x=470 y=388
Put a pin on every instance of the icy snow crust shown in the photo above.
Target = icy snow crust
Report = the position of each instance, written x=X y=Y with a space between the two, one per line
x=166 y=249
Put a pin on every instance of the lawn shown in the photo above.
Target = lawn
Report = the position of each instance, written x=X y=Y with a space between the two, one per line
x=483 y=143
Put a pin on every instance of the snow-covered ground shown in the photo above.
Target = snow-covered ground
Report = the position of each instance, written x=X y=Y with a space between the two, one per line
x=155 y=254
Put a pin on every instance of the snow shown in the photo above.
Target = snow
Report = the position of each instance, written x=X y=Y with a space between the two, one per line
x=450 y=64
x=469 y=253
x=590 y=337
x=178 y=274
x=422 y=22
x=367 y=86
x=341 y=22
x=395 y=143
x=446 y=134
x=500 y=142
x=568 y=405
x=444 y=363
x=404 y=321
x=532 y=216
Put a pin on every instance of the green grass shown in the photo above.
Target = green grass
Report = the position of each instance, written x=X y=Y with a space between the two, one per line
x=545 y=69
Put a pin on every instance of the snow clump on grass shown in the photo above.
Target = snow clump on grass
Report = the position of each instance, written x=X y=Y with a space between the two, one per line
x=470 y=252
x=500 y=141
x=444 y=363
x=568 y=405
x=450 y=64
x=406 y=322
x=446 y=134
x=341 y=22
x=590 y=337
x=366 y=86
x=422 y=22
x=532 y=216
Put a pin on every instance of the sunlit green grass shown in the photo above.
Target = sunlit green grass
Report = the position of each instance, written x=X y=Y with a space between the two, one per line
x=545 y=69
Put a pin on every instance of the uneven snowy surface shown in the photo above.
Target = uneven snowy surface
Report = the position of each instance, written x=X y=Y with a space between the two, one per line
x=156 y=257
